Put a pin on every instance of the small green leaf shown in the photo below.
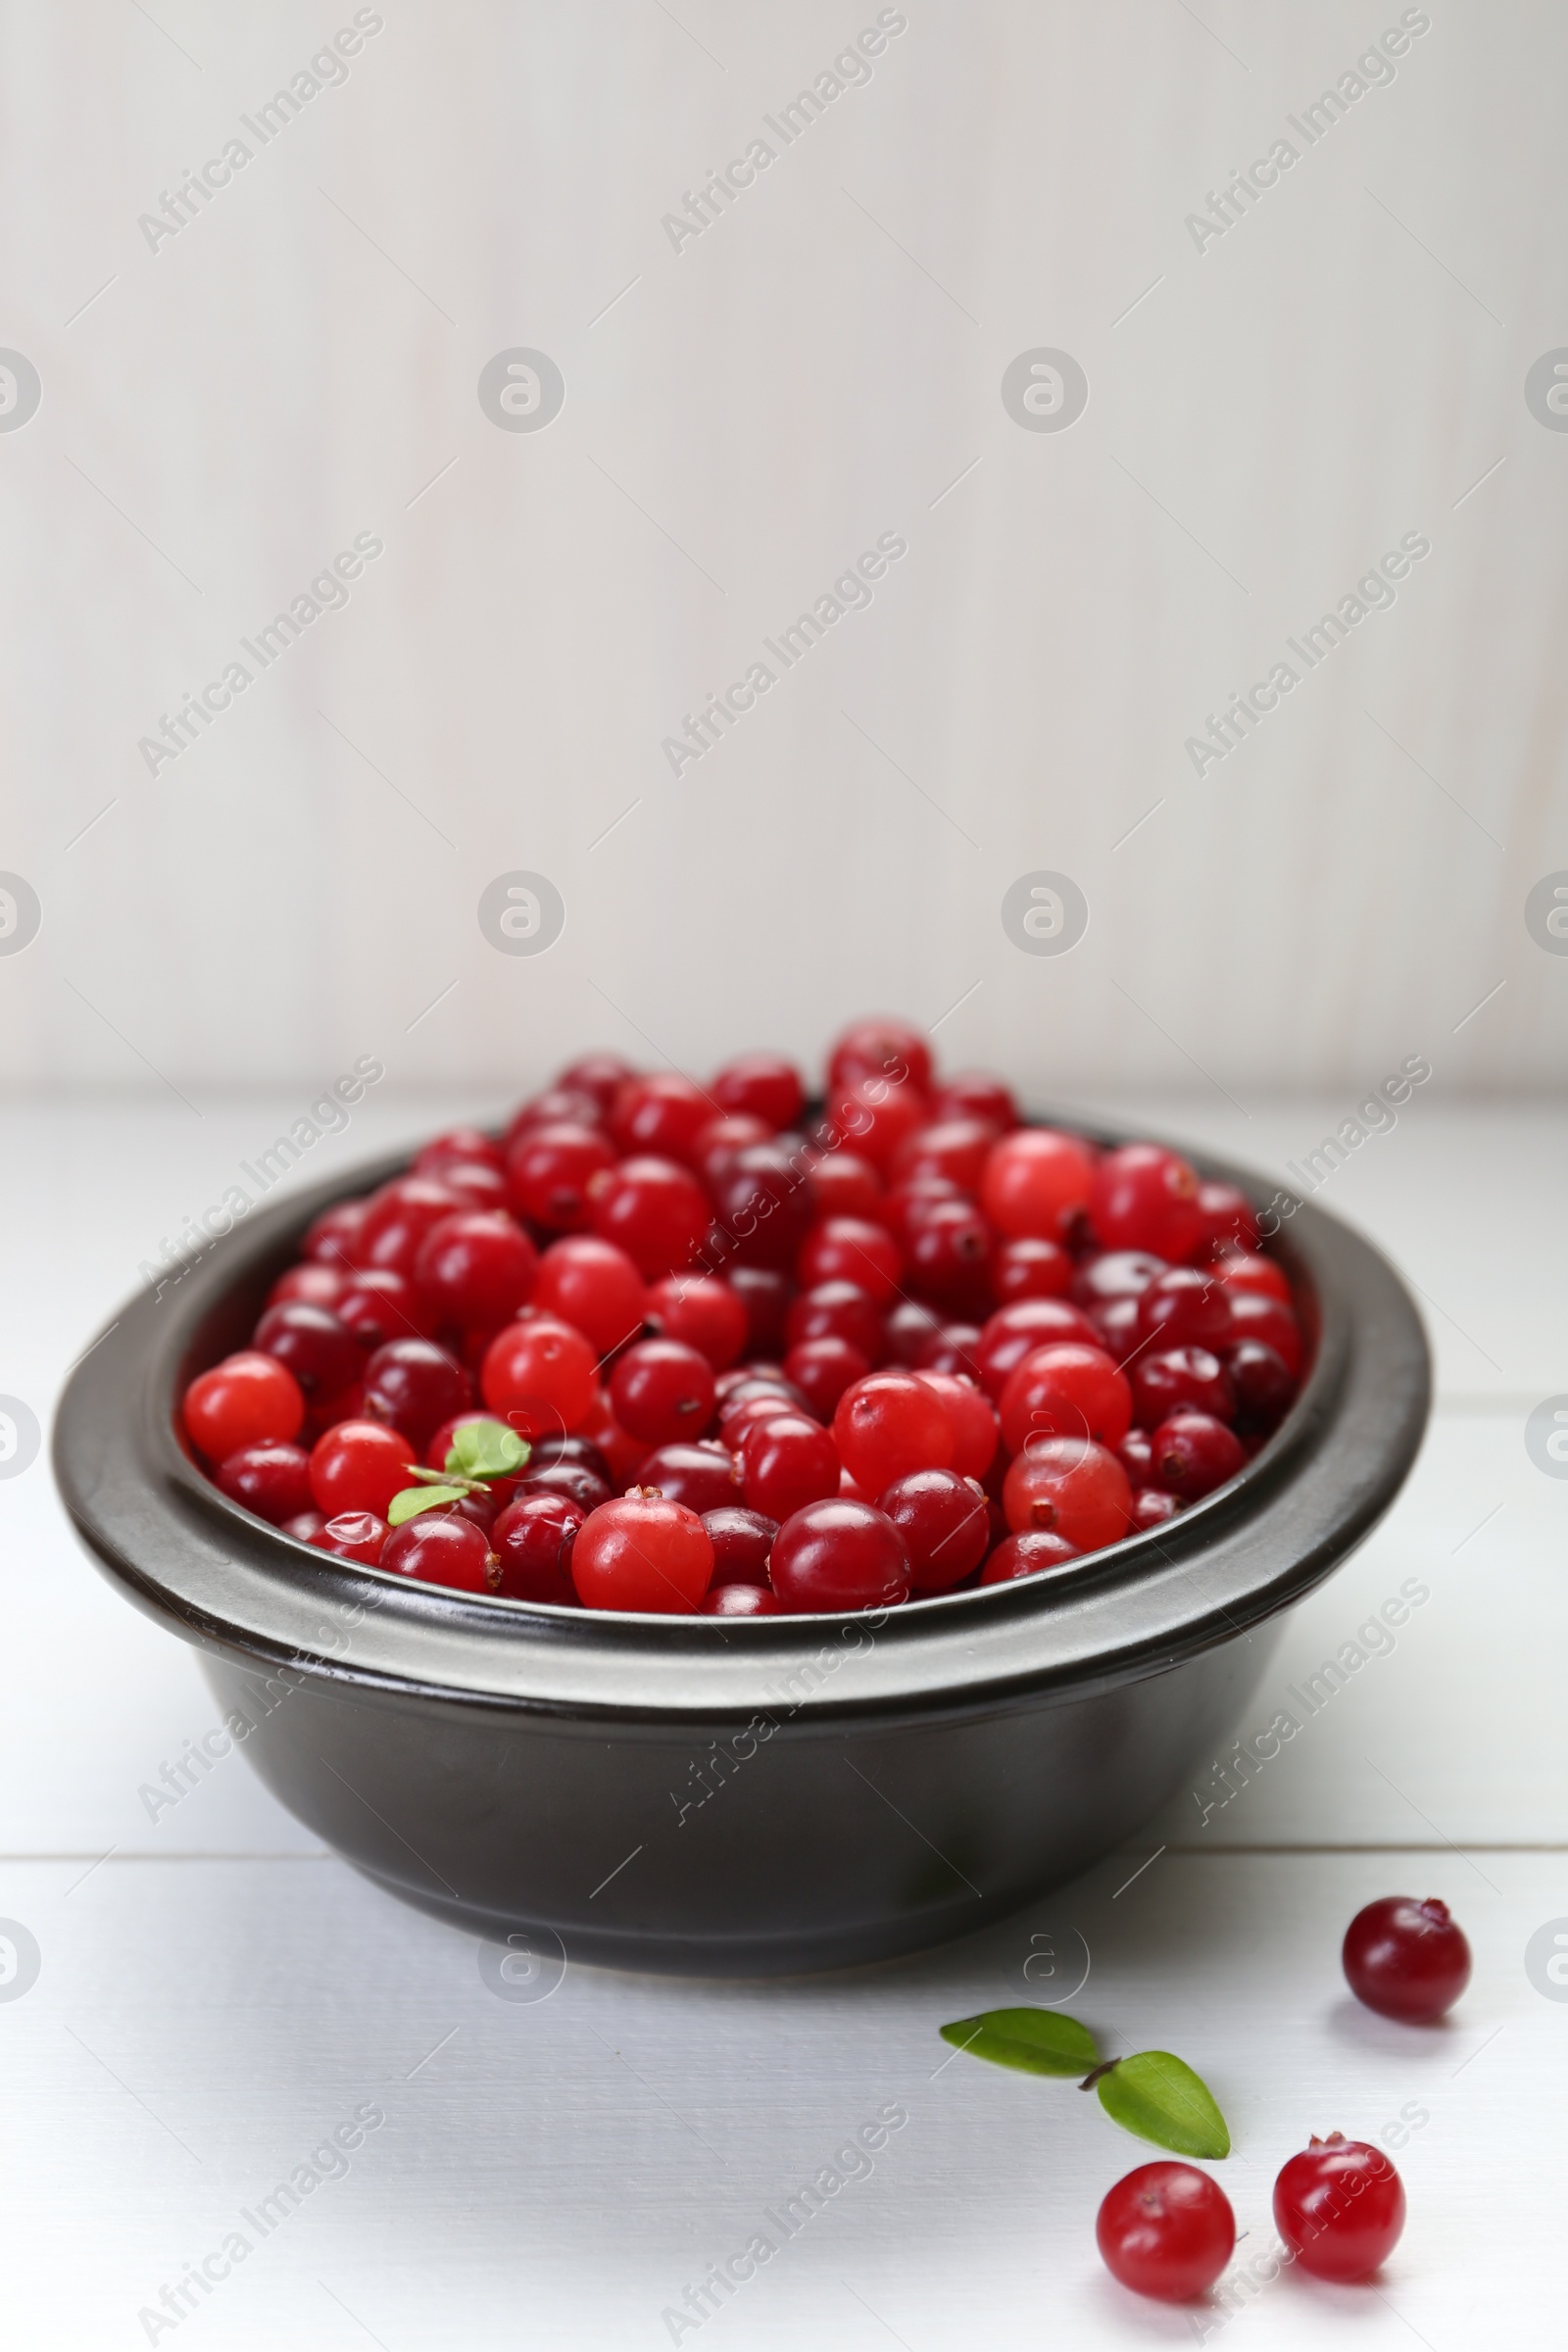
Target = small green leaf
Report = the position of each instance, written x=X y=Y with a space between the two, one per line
x=1157 y=2097
x=1037 y=2041
x=421 y=1498
x=486 y=1449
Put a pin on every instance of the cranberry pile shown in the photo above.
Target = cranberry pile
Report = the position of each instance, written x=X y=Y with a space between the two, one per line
x=756 y=1364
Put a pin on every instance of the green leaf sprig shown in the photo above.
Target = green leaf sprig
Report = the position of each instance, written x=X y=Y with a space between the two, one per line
x=1151 y=2094
x=480 y=1450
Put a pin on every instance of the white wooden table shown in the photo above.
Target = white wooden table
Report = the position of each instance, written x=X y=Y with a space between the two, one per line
x=217 y=1994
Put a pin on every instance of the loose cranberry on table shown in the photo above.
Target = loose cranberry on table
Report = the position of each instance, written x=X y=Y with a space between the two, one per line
x=272 y=1480
x=653 y=1210
x=1339 y=2207
x=414 y=1386
x=889 y=1425
x=1066 y=1391
x=248 y=1399
x=594 y=1286
x=359 y=1466
x=944 y=1525
x=1146 y=1197
x=786 y=1462
x=702 y=1313
x=822 y=1369
x=1035 y=1184
x=1166 y=2231
x=533 y=1539
x=838 y=1554
x=1193 y=1453
x=705 y=1478
x=539 y=1376
x=438 y=1547
x=642 y=1552
x=742 y=1541
x=1406 y=1959
x=358 y=1536
x=1028 y=1554
x=1071 y=1488
x=739 y=1600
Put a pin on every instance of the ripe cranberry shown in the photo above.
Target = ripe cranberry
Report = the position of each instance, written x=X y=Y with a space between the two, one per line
x=836 y=1310
x=1194 y=1453
x=1017 y=1331
x=1339 y=2207
x=477 y=1266
x=975 y=1094
x=272 y=1480
x=1066 y=1390
x=947 y=1254
x=621 y=1454
x=1263 y=1385
x=957 y=1149
x=765 y=1293
x=652 y=1210
x=476 y=1182
x=661 y=1114
x=415 y=1385
x=539 y=1376
x=953 y=1349
x=1146 y=1197
x=332 y=1238
x=739 y=1600
x=907 y=1328
x=559 y=1105
x=379 y=1305
x=1152 y=1507
x=787 y=1461
x=549 y=1169
x=944 y=1525
x=357 y=1536
x=438 y=1547
x=764 y=1203
x=889 y=1425
x=765 y=1085
x=533 y=1539
x=578 y=1450
x=873 y=1116
x=1230 y=1222
x=1115 y=1322
x=702 y=1313
x=1136 y=1454
x=1036 y=1182
x=1028 y=1554
x=438 y=1444
x=661 y=1390
x=705 y=1478
x=1180 y=1375
x=844 y=1185
x=971 y=1419
x=822 y=1369
x=1185 y=1307
x=595 y=1287
x=248 y=1399
x=880 y=1049
x=851 y=1250
x=396 y=1219
x=1071 y=1488
x=1263 y=1277
x=598 y=1075
x=573 y=1479
x=1254 y=1317
x=904 y=1206
x=642 y=1552
x=321 y=1284
x=1115 y=1274
x=456 y=1147
x=1167 y=2229
x=359 y=1466
x=1406 y=1959
x=1030 y=1268
x=304 y=1527
x=716 y=1144
x=742 y=1541
x=838 y=1555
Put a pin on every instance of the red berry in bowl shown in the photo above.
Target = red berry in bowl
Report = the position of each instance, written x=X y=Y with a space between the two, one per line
x=836 y=1310
x=1030 y=1268
x=304 y=1526
x=1146 y=1197
x=558 y=1105
x=705 y=1478
x=1067 y=1391
x=844 y=1185
x=721 y=1140
x=1136 y=1454
x=600 y=1076
x=359 y=1466
x=271 y=1480
x=1115 y=1274
x=595 y=1287
x=438 y=1547
x=944 y=1525
x=661 y=1114
x=1339 y=2207
x=1070 y=1488
x=947 y=1254
x=1262 y=1277
x=1254 y=1317
x=1029 y=1553
x=765 y=1085
x=1184 y=1307
x=357 y=1536
x=787 y=1462
x=957 y=1149
x=1035 y=1184
x=622 y=1454
x=477 y=1266
x=1230 y=1221
x=739 y=1600
x=702 y=1313
x=1194 y=1453
x=1261 y=1382
x=460 y=1147
x=1152 y=1507
x=889 y=1425
x=1014 y=1332
x=661 y=1390
x=954 y=1351
x=415 y=1385
x=396 y=1219
x=539 y=1376
x=477 y=1183
x=742 y=1541
x=874 y=1116
x=642 y=1552
x=907 y=1329
x=765 y=1293
x=1406 y=1959
x=379 y=1305
x=322 y=1284
x=654 y=1210
x=248 y=1399
x=971 y=1419
x=574 y=1480
x=762 y=1202
x=550 y=1169
x=851 y=1250
x=533 y=1539
x=333 y=1239
x=975 y=1094
x=1164 y=1383
x=838 y=1554
x=882 y=1048
x=1167 y=2231
x=822 y=1369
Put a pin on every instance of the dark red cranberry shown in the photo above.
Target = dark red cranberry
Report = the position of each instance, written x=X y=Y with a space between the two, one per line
x=705 y=1478
x=532 y=1540
x=1164 y=1381
x=763 y=1204
x=822 y=1369
x=1136 y=1453
x=1028 y=1554
x=836 y=1310
x=1230 y=1221
x=396 y=1219
x=1030 y=1268
x=721 y=1140
x=598 y=1075
x=786 y=1462
x=1254 y=1317
x=271 y=1480
x=1406 y=1959
x=574 y=1480
x=957 y=1149
x=904 y=1204
x=944 y=1525
x=459 y=1147
x=549 y=1169
x=953 y=1349
x=765 y=1293
x=975 y=1094
x=651 y=1208
x=379 y=1305
x=1152 y=1506
x=1194 y=1453
x=476 y=1182
x=738 y=1600
x=850 y=1249
x=333 y=1239
x=843 y=1185
x=414 y=1386
x=1185 y=1307
x=908 y=1328
x=765 y=1085
x=304 y=1526
x=1339 y=2207
x=559 y=1105
x=1262 y=1382
x=662 y=1392
x=742 y=1541
x=838 y=1555
x=554 y=1447
x=947 y=1254
x=319 y=1283
x=319 y=1348
x=1116 y=1322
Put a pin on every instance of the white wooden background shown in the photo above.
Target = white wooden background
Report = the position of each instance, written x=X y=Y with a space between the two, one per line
x=217 y=1992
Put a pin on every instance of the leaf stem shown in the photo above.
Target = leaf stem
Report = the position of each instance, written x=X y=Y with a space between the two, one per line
x=1105 y=2067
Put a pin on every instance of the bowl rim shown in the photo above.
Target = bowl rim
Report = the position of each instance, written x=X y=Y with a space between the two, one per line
x=229 y=1582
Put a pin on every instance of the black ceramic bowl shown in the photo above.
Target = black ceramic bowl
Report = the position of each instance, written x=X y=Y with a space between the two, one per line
x=729 y=1798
